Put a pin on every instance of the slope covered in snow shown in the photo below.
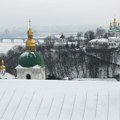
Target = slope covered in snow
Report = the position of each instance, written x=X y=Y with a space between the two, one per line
x=59 y=100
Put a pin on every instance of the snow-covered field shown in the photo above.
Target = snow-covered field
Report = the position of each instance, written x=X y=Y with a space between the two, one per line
x=59 y=100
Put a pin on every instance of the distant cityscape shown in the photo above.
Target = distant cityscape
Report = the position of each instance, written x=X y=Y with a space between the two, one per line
x=48 y=30
x=93 y=53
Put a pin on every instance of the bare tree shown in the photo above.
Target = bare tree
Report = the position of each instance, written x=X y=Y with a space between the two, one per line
x=89 y=35
x=100 y=32
x=79 y=35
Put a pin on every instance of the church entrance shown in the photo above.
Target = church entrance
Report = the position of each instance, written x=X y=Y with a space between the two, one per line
x=28 y=76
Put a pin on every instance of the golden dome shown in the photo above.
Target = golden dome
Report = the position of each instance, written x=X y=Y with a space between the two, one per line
x=110 y=25
x=30 y=33
x=2 y=67
x=30 y=43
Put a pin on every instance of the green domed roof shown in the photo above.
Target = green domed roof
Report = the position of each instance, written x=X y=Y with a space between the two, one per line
x=30 y=59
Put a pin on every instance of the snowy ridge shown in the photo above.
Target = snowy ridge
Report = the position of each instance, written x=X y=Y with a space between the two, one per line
x=59 y=100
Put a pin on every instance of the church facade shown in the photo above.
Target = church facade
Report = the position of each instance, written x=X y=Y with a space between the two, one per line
x=114 y=28
x=31 y=64
x=113 y=40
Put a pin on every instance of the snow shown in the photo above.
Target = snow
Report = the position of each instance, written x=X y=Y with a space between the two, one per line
x=95 y=79
x=26 y=54
x=6 y=46
x=7 y=76
x=59 y=100
x=114 y=38
x=18 y=66
x=18 y=41
x=66 y=78
x=36 y=66
x=7 y=41
x=102 y=40
x=41 y=41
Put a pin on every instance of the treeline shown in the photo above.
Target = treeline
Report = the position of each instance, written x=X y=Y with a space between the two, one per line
x=72 y=63
x=76 y=63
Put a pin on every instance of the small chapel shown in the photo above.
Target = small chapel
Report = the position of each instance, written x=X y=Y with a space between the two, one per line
x=30 y=64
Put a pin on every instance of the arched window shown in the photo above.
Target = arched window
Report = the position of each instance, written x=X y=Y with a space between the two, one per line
x=28 y=76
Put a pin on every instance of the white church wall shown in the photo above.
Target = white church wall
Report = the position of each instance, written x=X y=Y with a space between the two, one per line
x=35 y=73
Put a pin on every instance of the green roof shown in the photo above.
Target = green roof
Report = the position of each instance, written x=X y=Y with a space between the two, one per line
x=30 y=59
x=114 y=30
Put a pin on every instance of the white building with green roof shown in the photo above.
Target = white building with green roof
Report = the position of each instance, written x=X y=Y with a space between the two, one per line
x=113 y=40
x=114 y=34
x=114 y=29
x=31 y=64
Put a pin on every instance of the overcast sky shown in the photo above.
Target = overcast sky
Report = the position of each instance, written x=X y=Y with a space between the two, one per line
x=58 y=12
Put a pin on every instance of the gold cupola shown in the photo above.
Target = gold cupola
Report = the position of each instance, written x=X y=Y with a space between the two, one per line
x=30 y=43
x=2 y=67
x=115 y=22
x=110 y=25
x=118 y=24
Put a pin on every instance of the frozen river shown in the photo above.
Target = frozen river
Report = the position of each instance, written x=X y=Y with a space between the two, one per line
x=6 y=46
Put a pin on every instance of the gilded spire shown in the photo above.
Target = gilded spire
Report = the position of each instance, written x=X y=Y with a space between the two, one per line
x=110 y=25
x=30 y=32
x=2 y=67
x=115 y=22
x=30 y=43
